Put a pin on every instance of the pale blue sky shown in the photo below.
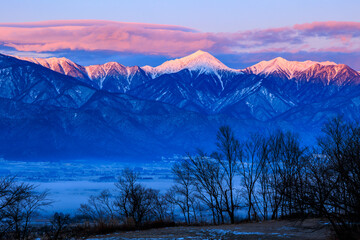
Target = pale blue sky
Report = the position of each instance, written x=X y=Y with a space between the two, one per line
x=338 y=42
x=203 y=15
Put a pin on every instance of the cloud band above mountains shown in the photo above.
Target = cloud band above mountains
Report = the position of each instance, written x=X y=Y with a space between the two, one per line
x=173 y=41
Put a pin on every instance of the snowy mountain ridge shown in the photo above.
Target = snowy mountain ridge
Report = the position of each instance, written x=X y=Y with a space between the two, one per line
x=60 y=65
x=200 y=61
x=202 y=83
x=100 y=73
x=115 y=77
x=280 y=64
x=71 y=109
x=326 y=73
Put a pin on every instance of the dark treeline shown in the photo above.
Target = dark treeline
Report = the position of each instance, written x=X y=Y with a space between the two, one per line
x=267 y=176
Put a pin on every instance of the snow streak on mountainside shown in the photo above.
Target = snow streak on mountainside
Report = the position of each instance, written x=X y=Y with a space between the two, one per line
x=115 y=77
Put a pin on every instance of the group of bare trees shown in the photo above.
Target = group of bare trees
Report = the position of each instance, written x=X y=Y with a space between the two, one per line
x=267 y=176
x=334 y=181
x=131 y=203
x=274 y=176
x=258 y=175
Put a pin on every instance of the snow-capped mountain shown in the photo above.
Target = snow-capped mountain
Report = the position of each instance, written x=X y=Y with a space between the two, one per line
x=195 y=82
x=200 y=61
x=48 y=115
x=262 y=91
x=60 y=65
x=320 y=72
x=55 y=105
x=281 y=65
x=200 y=82
x=110 y=76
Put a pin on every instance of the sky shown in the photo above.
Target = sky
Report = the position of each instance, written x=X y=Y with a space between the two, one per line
x=148 y=32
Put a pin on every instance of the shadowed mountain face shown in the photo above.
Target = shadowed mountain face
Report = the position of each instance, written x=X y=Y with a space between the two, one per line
x=55 y=108
x=47 y=115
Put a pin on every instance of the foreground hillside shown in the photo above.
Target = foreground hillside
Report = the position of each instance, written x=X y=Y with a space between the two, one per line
x=307 y=230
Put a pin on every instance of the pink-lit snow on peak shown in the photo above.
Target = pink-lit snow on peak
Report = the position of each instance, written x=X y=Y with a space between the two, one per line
x=283 y=65
x=198 y=61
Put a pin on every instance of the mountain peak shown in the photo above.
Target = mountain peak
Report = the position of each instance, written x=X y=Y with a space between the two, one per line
x=200 y=54
x=61 y=65
x=281 y=65
x=47 y=61
x=198 y=61
x=279 y=59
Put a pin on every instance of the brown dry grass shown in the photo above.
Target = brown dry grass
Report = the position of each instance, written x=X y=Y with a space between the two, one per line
x=310 y=229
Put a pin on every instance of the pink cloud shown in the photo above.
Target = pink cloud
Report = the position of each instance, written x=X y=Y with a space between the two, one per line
x=329 y=27
x=169 y=40
x=103 y=35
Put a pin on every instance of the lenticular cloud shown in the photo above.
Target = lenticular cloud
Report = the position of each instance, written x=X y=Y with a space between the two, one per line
x=103 y=35
x=156 y=39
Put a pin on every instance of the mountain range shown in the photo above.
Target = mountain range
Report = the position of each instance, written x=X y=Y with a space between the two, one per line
x=54 y=108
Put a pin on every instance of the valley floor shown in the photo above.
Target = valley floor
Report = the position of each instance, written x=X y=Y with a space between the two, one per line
x=307 y=230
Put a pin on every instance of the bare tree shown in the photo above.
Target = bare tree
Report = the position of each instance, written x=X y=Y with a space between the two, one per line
x=183 y=190
x=264 y=190
x=228 y=155
x=293 y=170
x=276 y=143
x=162 y=209
x=134 y=201
x=251 y=168
x=336 y=184
x=171 y=198
x=208 y=178
x=286 y=169
x=10 y=193
x=18 y=215
x=100 y=209
x=59 y=224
